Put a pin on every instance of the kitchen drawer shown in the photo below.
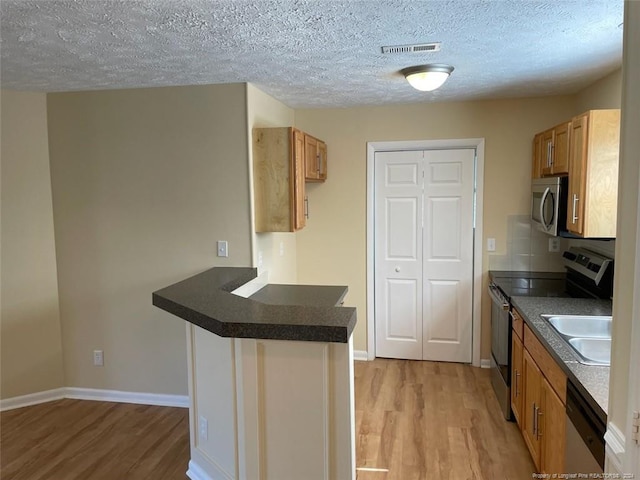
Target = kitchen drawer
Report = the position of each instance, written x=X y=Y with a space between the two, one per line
x=517 y=323
x=550 y=369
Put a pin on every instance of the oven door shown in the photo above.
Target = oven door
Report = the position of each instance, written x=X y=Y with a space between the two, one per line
x=501 y=349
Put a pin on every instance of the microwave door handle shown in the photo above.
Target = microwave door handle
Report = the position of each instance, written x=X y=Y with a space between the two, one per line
x=542 y=202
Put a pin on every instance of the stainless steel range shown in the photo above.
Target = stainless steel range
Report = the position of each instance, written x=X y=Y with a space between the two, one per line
x=588 y=275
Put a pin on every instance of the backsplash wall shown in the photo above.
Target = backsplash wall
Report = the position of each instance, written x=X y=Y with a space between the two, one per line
x=527 y=248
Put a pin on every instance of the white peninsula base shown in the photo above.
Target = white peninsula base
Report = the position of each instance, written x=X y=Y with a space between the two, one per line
x=270 y=409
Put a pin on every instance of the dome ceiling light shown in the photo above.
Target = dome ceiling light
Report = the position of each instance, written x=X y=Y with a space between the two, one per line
x=427 y=77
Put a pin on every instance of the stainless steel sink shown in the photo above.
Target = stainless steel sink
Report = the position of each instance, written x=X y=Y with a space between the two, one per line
x=589 y=336
x=580 y=325
x=594 y=351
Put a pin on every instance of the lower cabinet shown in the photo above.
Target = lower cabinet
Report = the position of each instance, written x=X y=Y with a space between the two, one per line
x=532 y=395
x=551 y=428
x=516 y=378
x=538 y=393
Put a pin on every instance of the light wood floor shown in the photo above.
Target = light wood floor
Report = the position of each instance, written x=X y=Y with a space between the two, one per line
x=79 y=439
x=429 y=420
x=418 y=420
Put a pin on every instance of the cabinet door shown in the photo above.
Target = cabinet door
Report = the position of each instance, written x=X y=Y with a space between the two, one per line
x=322 y=160
x=532 y=387
x=547 y=152
x=297 y=181
x=312 y=170
x=560 y=157
x=551 y=430
x=577 y=174
x=536 y=168
x=516 y=379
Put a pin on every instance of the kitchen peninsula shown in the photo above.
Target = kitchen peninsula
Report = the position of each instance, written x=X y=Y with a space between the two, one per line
x=270 y=377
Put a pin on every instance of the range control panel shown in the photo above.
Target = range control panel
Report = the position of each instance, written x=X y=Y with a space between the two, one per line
x=588 y=263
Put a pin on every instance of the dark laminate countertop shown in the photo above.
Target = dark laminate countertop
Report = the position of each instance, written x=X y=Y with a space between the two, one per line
x=206 y=300
x=592 y=381
x=536 y=284
x=310 y=295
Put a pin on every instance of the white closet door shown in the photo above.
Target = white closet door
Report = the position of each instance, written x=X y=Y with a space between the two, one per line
x=398 y=254
x=424 y=204
x=448 y=255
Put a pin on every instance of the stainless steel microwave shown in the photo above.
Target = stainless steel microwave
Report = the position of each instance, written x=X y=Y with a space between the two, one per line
x=549 y=204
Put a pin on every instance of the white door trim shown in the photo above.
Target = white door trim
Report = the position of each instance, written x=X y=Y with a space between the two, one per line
x=372 y=148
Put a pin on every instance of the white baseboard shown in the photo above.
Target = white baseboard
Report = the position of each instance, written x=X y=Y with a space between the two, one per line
x=32 y=399
x=614 y=449
x=95 y=394
x=196 y=472
x=160 y=399
x=360 y=355
x=485 y=363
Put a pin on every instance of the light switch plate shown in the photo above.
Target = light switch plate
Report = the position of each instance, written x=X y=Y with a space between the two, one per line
x=491 y=244
x=223 y=248
x=98 y=358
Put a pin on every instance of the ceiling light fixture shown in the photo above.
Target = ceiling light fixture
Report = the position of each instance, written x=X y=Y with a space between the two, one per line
x=427 y=77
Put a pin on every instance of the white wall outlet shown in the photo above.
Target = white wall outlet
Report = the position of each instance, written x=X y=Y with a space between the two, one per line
x=98 y=358
x=260 y=259
x=282 y=249
x=223 y=248
x=491 y=244
x=554 y=244
x=203 y=428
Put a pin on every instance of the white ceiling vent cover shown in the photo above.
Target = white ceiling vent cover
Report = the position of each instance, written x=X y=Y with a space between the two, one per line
x=416 y=48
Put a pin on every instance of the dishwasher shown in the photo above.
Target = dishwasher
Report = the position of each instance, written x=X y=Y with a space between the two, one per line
x=584 y=448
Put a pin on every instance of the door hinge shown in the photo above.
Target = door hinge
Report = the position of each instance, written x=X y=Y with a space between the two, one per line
x=635 y=428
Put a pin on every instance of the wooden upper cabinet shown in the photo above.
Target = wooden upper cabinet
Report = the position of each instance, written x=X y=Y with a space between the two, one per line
x=547 y=152
x=299 y=215
x=537 y=156
x=577 y=176
x=322 y=153
x=562 y=135
x=593 y=174
x=278 y=176
x=315 y=152
x=554 y=150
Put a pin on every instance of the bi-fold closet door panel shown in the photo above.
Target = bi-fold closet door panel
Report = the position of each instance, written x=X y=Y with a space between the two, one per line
x=398 y=253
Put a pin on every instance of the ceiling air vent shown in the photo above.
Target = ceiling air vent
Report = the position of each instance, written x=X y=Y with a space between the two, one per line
x=417 y=48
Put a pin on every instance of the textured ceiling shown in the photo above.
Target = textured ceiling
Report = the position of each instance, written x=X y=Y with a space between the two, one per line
x=314 y=53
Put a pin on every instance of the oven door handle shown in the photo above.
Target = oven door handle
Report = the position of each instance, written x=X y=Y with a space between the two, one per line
x=496 y=298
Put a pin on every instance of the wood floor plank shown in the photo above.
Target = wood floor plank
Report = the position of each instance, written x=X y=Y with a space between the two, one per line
x=446 y=420
x=78 y=439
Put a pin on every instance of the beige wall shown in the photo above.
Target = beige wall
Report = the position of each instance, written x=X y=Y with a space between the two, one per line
x=332 y=248
x=144 y=183
x=272 y=252
x=603 y=94
x=626 y=278
x=30 y=321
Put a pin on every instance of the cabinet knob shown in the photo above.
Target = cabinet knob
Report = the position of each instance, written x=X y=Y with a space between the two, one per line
x=397 y=269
